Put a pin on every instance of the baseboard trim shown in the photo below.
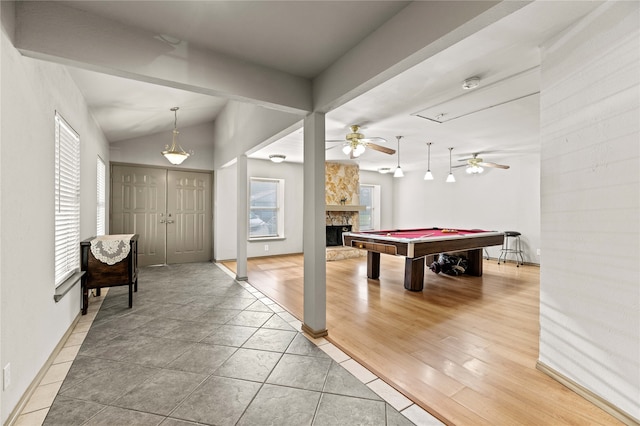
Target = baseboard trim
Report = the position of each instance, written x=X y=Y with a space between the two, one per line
x=596 y=400
x=26 y=396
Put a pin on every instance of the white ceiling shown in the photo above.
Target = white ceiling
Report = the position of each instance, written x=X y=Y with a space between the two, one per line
x=499 y=118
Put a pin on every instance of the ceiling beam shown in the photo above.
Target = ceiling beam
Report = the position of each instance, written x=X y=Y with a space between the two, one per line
x=57 y=33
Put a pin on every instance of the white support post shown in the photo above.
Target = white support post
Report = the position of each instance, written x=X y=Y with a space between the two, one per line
x=243 y=218
x=314 y=246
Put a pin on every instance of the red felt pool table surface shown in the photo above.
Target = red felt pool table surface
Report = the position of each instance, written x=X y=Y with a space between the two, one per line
x=419 y=246
x=423 y=232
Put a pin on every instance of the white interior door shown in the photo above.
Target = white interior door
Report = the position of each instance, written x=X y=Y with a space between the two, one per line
x=170 y=211
x=188 y=217
x=138 y=205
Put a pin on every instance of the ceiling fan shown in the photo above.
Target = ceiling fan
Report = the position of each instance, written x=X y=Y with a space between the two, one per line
x=475 y=164
x=356 y=143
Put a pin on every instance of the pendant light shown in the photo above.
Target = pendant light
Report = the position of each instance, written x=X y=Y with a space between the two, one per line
x=398 y=172
x=175 y=153
x=450 y=178
x=428 y=175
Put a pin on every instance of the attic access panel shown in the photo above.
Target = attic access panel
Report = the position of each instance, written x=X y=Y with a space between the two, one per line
x=515 y=87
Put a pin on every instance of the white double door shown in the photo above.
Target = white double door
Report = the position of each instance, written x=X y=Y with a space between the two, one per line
x=170 y=210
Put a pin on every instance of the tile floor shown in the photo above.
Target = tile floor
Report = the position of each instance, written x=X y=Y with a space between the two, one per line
x=200 y=348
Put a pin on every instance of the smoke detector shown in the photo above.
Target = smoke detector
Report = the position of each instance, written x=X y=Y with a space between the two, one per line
x=471 y=83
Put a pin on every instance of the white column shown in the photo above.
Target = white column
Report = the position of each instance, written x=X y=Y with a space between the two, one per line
x=314 y=245
x=243 y=218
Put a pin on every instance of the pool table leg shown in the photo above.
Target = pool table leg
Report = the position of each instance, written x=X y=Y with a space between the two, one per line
x=475 y=262
x=414 y=273
x=373 y=265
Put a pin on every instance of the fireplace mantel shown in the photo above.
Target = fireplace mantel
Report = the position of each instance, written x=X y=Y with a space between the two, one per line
x=345 y=208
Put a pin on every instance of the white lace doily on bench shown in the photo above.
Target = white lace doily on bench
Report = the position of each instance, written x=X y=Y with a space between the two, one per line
x=111 y=249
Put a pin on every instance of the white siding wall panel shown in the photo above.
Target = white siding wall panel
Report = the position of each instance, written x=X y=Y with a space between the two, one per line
x=590 y=208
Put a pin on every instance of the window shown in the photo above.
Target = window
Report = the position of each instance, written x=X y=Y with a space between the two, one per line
x=266 y=197
x=369 y=197
x=101 y=197
x=67 y=201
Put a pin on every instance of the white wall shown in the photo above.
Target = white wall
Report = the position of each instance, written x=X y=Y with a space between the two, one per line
x=590 y=203
x=147 y=149
x=498 y=199
x=225 y=210
x=225 y=218
x=293 y=200
x=32 y=324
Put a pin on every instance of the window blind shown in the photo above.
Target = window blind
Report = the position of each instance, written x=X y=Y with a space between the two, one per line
x=266 y=198
x=101 y=198
x=67 y=200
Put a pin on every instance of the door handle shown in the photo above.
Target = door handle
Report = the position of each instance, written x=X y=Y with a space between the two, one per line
x=163 y=221
x=169 y=221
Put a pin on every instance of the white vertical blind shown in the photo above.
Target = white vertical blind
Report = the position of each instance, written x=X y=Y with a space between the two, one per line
x=67 y=201
x=101 y=197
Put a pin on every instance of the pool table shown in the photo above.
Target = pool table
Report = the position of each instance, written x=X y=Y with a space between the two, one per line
x=419 y=245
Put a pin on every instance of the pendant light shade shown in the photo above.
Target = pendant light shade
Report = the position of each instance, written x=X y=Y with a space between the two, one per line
x=428 y=175
x=175 y=153
x=398 y=172
x=450 y=178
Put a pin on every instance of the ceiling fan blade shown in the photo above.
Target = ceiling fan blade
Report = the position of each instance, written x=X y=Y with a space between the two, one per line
x=381 y=148
x=370 y=140
x=336 y=140
x=494 y=165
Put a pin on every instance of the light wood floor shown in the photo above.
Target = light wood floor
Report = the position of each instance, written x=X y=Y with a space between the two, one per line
x=464 y=349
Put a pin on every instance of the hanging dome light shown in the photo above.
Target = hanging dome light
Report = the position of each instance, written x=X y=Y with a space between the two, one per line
x=398 y=172
x=175 y=153
x=428 y=175
x=450 y=178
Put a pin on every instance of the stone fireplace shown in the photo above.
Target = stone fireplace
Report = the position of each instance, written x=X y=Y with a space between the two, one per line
x=342 y=189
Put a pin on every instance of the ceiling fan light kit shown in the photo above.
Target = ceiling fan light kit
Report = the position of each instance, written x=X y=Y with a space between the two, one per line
x=175 y=153
x=476 y=165
x=357 y=143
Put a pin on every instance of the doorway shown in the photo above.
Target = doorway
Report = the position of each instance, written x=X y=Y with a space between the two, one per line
x=170 y=210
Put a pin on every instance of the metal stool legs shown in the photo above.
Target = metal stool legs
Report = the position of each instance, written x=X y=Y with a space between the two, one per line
x=511 y=245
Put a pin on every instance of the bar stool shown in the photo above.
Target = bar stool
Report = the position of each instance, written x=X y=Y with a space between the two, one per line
x=511 y=245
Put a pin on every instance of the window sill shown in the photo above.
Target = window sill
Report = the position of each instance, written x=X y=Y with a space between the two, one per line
x=278 y=238
x=67 y=285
